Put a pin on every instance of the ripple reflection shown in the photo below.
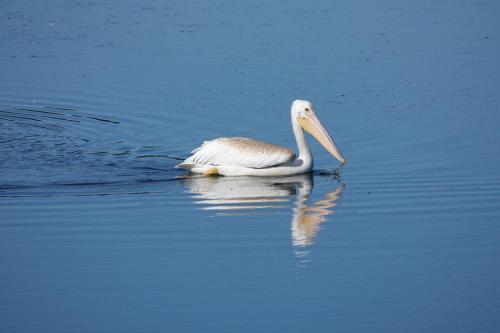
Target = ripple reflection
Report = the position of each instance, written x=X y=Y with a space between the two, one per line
x=240 y=196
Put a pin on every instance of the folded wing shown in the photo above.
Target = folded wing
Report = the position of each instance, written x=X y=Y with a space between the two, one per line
x=242 y=152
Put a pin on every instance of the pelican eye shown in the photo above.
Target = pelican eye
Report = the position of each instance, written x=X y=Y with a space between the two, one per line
x=307 y=109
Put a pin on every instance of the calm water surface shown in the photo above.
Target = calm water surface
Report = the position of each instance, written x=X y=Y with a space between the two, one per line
x=99 y=233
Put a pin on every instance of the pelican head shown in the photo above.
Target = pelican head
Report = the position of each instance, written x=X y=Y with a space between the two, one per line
x=303 y=112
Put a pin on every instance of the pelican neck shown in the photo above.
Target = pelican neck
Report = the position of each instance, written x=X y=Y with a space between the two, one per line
x=302 y=144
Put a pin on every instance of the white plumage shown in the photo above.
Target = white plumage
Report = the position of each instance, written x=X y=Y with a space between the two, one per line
x=243 y=152
x=248 y=157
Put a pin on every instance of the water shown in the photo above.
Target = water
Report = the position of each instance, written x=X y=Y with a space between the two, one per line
x=98 y=231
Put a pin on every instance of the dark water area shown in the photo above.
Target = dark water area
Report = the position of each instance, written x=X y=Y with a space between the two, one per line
x=99 y=232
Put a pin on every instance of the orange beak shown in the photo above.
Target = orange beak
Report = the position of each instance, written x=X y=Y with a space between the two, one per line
x=312 y=125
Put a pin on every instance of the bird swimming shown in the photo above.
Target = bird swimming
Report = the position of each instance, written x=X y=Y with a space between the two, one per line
x=248 y=157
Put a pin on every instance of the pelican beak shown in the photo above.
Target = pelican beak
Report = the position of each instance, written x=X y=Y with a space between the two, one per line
x=312 y=125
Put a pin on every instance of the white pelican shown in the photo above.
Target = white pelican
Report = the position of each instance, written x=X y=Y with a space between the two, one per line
x=248 y=157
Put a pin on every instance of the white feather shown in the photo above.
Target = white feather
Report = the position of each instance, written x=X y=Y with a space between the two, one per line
x=241 y=152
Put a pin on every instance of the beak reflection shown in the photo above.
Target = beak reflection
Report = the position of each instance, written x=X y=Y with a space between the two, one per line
x=237 y=196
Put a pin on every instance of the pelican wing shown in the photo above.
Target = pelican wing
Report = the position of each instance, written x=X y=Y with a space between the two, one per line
x=243 y=152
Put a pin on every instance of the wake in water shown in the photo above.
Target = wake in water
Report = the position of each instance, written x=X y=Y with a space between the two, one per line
x=45 y=146
x=48 y=149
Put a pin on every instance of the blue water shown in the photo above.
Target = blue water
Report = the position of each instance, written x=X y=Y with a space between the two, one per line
x=99 y=233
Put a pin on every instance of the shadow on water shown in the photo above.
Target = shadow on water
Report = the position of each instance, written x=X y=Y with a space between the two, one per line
x=239 y=196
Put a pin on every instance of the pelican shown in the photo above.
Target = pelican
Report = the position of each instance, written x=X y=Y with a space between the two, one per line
x=248 y=157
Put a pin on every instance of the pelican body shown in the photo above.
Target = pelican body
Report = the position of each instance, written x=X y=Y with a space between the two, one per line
x=247 y=157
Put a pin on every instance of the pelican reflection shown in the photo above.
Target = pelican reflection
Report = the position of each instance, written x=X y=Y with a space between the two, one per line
x=256 y=195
